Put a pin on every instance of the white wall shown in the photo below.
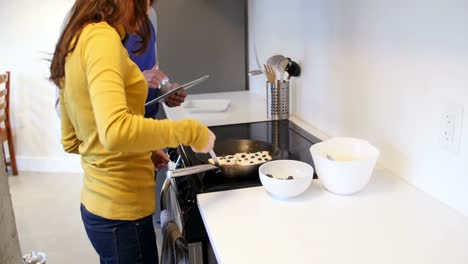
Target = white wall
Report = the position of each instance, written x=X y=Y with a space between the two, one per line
x=379 y=70
x=29 y=33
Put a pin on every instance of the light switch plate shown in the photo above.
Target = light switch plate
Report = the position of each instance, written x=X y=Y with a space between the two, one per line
x=451 y=120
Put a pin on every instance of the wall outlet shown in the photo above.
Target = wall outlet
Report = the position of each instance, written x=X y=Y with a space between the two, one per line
x=451 y=128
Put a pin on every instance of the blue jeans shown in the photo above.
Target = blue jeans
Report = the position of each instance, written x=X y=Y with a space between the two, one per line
x=121 y=242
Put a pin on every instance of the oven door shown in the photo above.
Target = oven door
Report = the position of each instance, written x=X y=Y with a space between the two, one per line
x=169 y=204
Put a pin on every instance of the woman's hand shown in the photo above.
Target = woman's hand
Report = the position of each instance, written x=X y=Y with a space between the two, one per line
x=209 y=146
x=155 y=78
x=159 y=159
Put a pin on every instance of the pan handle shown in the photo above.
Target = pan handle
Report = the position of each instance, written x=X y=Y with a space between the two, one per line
x=190 y=170
x=179 y=173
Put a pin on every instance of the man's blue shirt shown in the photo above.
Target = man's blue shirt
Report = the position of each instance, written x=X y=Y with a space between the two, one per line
x=144 y=61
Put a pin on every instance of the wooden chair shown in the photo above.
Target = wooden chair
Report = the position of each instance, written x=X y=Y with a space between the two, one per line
x=5 y=127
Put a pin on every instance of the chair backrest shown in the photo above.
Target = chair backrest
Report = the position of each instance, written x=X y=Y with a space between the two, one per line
x=4 y=97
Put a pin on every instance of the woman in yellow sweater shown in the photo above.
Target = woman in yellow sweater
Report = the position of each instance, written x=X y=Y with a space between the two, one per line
x=102 y=96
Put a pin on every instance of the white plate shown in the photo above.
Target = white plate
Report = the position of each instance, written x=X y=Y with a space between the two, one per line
x=207 y=105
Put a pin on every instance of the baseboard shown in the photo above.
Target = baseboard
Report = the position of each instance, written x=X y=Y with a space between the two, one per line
x=49 y=164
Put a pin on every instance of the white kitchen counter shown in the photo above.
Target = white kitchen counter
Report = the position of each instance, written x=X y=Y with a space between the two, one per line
x=389 y=222
x=245 y=107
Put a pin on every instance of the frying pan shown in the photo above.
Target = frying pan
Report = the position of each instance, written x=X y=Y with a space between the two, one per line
x=230 y=147
x=233 y=146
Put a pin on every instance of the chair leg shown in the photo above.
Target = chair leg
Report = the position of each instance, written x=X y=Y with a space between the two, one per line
x=11 y=149
x=4 y=159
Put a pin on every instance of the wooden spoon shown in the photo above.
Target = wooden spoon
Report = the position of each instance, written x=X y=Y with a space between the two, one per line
x=270 y=73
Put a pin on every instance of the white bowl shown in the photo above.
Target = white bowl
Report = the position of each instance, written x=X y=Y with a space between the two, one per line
x=351 y=167
x=278 y=186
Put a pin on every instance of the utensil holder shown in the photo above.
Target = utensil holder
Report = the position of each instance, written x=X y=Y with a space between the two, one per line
x=278 y=100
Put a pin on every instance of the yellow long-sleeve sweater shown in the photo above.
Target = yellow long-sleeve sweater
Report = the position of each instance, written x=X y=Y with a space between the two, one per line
x=102 y=104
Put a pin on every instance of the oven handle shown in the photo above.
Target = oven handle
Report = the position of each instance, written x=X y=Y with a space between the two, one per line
x=180 y=173
x=190 y=170
x=165 y=193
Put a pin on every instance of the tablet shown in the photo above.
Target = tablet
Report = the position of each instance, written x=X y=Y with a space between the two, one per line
x=185 y=86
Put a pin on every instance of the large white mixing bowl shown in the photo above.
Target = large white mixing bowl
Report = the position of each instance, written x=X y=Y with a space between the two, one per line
x=344 y=165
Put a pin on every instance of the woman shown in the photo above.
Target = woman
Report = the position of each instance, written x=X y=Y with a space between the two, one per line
x=102 y=95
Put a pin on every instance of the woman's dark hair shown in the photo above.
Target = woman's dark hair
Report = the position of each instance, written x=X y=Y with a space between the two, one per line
x=131 y=12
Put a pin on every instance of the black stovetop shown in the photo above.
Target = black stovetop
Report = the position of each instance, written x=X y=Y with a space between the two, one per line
x=293 y=141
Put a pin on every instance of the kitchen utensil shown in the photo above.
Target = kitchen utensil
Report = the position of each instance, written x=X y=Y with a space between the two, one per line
x=351 y=169
x=255 y=72
x=279 y=170
x=256 y=54
x=185 y=86
x=293 y=69
x=282 y=66
x=258 y=71
x=214 y=157
x=230 y=147
x=270 y=73
x=274 y=60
